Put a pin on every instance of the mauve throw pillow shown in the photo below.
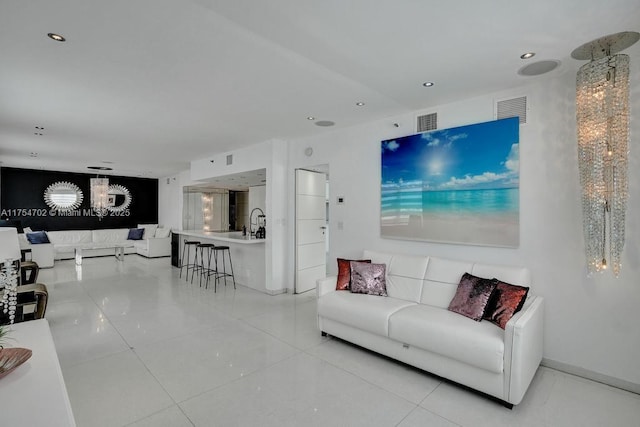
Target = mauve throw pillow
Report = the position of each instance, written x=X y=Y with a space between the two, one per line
x=506 y=300
x=472 y=296
x=368 y=278
x=344 y=273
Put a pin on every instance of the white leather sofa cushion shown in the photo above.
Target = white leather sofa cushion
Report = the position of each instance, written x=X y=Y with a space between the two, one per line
x=149 y=230
x=70 y=237
x=513 y=275
x=367 y=312
x=441 y=280
x=111 y=236
x=404 y=274
x=480 y=344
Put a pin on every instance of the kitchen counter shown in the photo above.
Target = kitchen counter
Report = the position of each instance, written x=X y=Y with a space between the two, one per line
x=225 y=236
x=247 y=254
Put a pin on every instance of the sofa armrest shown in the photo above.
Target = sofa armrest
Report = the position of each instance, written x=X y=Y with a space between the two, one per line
x=155 y=247
x=326 y=285
x=158 y=242
x=42 y=254
x=523 y=341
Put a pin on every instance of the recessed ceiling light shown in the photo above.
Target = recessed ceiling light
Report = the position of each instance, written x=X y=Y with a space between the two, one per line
x=39 y=128
x=311 y=118
x=527 y=55
x=37 y=133
x=359 y=104
x=56 y=37
x=325 y=123
x=427 y=84
x=33 y=154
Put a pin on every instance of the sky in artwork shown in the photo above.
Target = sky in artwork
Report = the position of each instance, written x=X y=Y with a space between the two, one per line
x=478 y=156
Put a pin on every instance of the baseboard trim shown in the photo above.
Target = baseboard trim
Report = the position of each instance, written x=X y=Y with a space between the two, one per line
x=591 y=375
x=277 y=291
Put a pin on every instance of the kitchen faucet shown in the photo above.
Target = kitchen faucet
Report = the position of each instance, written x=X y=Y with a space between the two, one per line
x=252 y=232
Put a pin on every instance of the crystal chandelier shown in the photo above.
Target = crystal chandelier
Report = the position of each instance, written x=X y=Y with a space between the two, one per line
x=100 y=196
x=602 y=114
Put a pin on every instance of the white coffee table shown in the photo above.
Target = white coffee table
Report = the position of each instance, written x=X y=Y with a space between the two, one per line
x=119 y=251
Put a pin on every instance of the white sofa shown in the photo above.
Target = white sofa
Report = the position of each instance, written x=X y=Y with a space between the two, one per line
x=42 y=253
x=64 y=242
x=414 y=326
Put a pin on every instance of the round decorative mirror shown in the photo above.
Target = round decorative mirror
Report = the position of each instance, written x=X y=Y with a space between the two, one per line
x=63 y=196
x=119 y=198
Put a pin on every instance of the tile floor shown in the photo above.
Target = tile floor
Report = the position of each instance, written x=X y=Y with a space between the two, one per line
x=140 y=347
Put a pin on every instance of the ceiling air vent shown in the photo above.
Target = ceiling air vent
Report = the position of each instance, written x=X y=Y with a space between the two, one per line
x=428 y=122
x=229 y=159
x=515 y=107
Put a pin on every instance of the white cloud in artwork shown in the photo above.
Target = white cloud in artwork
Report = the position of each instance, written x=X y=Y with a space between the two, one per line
x=457 y=136
x=391 y=145
x=431 y=140
x=445 y=140
x=469 y=181
x=513 y=159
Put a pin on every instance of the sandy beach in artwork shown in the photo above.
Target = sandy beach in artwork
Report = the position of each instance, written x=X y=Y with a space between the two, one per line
x=501 y=229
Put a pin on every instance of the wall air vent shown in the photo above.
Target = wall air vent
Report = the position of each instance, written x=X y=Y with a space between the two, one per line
x=428 y=122
x=229 y=159
x=515 y=107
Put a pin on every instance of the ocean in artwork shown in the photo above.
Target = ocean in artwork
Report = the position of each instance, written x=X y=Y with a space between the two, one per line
x=458 y=185
x=488 y=201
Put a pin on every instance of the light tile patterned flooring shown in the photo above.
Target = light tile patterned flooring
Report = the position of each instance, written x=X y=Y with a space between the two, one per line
x=141 y=347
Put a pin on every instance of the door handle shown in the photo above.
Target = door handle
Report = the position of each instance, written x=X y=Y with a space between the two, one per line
x=323 y=227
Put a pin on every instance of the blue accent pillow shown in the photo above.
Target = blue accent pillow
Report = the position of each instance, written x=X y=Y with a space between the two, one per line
x=38 y=237
x=135 y=234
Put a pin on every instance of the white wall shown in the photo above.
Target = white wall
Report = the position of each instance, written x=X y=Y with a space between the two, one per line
x=591 y=324
x=170 y=200
x=269 y=155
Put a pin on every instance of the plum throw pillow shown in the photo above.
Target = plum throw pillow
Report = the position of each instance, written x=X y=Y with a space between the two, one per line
x=135 y=234
x=472 y=296
x=506 y=300
x=368 y=278
x=38 y=237
x=344 y=273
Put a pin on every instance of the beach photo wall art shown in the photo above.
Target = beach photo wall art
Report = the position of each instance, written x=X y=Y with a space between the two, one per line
x=458 y=185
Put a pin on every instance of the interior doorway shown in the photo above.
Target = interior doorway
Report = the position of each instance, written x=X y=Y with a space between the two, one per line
x=311 y=227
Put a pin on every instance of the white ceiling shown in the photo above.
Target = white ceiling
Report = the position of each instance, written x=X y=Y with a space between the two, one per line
x=145 y=86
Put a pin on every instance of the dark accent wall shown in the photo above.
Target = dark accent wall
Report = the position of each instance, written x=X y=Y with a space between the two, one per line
x=22 y=198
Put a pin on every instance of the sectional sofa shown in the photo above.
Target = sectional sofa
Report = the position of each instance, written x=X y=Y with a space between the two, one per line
x=155 y=242
x=413 y=324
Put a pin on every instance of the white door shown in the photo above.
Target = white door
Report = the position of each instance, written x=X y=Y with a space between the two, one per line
x=310 y=229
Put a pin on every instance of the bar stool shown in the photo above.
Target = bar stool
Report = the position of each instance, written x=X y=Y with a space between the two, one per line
x=187 y=248
x=205 y=262
x=224 y=274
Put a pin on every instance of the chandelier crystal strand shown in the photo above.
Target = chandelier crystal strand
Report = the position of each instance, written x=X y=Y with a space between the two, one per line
x=602 y=119
x=619 y=137
x=100 y=196
x=10 y=292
